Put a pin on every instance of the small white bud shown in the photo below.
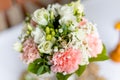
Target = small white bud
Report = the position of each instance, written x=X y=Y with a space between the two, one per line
x=60 y=30
x=61 y=50
x=55 y=49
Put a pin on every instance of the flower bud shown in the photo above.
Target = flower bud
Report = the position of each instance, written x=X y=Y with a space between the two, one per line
x=55 y=49
x=29 y=27
x=60 y=30
x=47 y=30
x=53 y=33
x=52 y=15
x=48 y=37
x=51 y=29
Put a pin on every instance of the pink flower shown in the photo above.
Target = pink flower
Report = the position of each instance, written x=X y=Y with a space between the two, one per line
x=66 y=62
x=30 y=51
x=95 y=44
x=83 y=22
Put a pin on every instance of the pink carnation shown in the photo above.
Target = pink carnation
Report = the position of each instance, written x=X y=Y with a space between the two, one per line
x=30 y=51
x=95 y=44
x=66 y=62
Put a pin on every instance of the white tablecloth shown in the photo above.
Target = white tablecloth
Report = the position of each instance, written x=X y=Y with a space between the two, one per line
x=102 y=12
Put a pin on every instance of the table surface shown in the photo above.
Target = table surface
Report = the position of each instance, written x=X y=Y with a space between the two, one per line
x=102 y=12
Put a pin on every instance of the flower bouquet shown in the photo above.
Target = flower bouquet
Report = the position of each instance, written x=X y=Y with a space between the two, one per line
x=59 y=40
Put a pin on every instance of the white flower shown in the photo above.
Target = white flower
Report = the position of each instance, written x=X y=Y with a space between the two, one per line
x=90 y=28
x=41 y=16
x=45 y=47
x=67 y=16
x=24 y=32
x=73 y=26
x=94 y=29
x=85 y=55
x=85 y=59
x=67 y=19
x=61 y=50
x=54 y=8
x=39 y=35
x=55 y=49
x=80 y=34
x=18 y=46
x=77 y=6
x=66 y=10
x=60 y=30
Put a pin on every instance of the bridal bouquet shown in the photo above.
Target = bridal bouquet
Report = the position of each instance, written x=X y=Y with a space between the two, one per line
x=61 y=40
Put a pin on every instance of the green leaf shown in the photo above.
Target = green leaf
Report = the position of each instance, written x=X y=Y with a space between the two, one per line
x=47 y=69
x=65 y=29
x=80 y=70
x=101 y=57
x=39 y=66
x=34 y=66
x=40 y=70
x=60 y=76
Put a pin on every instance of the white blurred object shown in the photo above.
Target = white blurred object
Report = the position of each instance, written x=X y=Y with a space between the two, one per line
x=11 y=66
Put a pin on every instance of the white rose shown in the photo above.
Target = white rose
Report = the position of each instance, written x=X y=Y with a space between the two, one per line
x=65 y=10
x=41 y=16
x=18 y=46
x=39 y=35
x=78 y=6
x=45 y=47
x=66 y=19
x=54 y=8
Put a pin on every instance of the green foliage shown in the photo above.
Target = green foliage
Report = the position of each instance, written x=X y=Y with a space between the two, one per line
x=101 y=57
x=28 y=18
x=60 y=76
x=39 y=66
x=80 y=70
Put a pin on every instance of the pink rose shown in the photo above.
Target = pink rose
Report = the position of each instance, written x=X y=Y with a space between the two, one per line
x=95 y=44
x=66 y=62
x=30 y=51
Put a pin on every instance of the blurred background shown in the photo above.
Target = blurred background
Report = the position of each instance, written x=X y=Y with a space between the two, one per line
x=9 y=9
x=105 y=13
